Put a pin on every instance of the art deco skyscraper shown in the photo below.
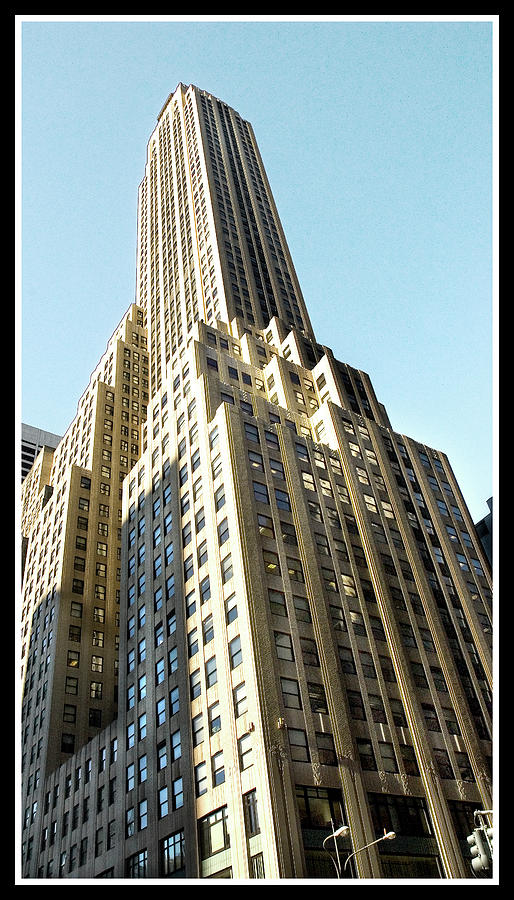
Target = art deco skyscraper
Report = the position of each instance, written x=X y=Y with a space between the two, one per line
x=304 y=606
x=210 y=243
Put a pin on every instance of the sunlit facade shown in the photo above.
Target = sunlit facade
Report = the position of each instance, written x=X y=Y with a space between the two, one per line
x=295 y=607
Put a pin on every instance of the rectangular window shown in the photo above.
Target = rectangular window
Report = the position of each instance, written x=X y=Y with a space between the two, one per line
x=172 y=852
x=298 y=745
x=260 y=492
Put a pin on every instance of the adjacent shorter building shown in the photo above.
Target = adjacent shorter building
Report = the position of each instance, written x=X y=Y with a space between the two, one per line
x=71 y=525
x=32 y=441
x=484 y=529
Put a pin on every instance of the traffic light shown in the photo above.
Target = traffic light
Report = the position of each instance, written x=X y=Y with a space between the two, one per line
x=479 y=848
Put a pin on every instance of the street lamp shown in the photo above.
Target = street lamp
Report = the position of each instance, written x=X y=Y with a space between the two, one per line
x=387 y=836
x=343 y=831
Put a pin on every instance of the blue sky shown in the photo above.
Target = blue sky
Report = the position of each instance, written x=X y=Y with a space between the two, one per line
x=377 y=137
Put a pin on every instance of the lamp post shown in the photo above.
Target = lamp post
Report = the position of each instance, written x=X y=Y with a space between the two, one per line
x=341 y=832
x=387 y=836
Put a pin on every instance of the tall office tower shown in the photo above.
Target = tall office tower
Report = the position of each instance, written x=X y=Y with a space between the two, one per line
x=210 y=243
x=305 y=607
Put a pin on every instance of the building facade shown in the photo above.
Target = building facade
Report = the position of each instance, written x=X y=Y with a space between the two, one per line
x=294 y=605
x=32 y=442
x=484 y=529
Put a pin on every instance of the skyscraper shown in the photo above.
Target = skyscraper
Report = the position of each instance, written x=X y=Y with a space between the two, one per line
x=253 y=612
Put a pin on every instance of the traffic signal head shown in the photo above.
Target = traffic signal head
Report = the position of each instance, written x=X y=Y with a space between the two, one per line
x=479 y=851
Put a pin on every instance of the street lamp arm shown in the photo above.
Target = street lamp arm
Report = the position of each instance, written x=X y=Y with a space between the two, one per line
x=385 y=837
x=342 y=831
x=353 y=854
x=333 y=860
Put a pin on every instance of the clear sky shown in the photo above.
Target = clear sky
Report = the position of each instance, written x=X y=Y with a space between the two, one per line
x=377 y=138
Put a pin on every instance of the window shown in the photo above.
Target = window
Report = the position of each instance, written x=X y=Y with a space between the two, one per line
x=442 y=761
x=403 y=814
x=226 y=569
x=211 y=673
x=142 y=814
x=208 y=629
x=218 y=769
x=251 y=815
x=172 y=850
x=349 y=585
x=326 y=750
x=418 y=674
x=409 y=759
x=298 y=745
x=282 y=499
x=302 y=609
x=377 y=628
x=214 y=718
x=356 y=705
x=271 y=563
x=377 y=708
x=223 y=532
x=188 y=568
x=236 y=656
x=201 y=785
x=256 y=460
x=277 y=603
x=277 y=469
x=202 y=553
x=205 y=590
x=407 y=634
x=368 y=667
x=427 y=640
x=265 y=526
x=398 y=712
x=439 y=682
x=451 y=721
x=197 y=729
x=308 y=481
x=251 y=432
x=245 y=751
x=163 y=802
x=288 y=533
x=142 y=768
x=213 y=833
x=284 y=646
x=231 y=608
x=366 y=755
x=294 y=568
x=176 y=749
x=160 y=711
x=195 y=684
x=177 y=793
x=431 y=720
x=240 y=700
x=464 y=766
x=174 y=701
x=192 y=642
x=260 y=492
x=291 y=693
x=309 y=652
x=387 y=754
x=357 y=621
x=317 y=698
